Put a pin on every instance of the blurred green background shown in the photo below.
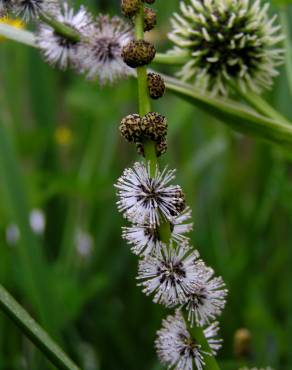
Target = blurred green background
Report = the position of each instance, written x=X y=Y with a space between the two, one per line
x=61 y=153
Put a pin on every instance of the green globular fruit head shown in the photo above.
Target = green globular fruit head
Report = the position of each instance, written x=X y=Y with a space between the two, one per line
x=138 y=53
x=130 y=7
x=150 y=19
x=130 y=127
x=156 y=85
x=228 y=42
x=154 y=126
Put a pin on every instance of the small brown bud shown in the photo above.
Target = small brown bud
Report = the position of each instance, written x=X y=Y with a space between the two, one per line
x=130 y=127
x=156 y=85
x=161 y=147
x=149 y=19
x=154 y=126
x=130 y=7
x=242 y=343
x=180 y=204
x=138 y=53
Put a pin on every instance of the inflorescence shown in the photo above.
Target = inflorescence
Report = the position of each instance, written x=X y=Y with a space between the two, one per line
x=227 y=41
x=171 y=271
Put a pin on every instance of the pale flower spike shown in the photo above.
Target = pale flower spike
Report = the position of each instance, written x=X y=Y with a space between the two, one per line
x=146 y=199
x=178 y=350
x=144 y=239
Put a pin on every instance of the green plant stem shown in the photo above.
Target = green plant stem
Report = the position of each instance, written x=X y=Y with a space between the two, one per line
x=260 y=105
x=171 y=59
x=61 y=28
x=34 y=332
x=150 y=156
x=198 y=334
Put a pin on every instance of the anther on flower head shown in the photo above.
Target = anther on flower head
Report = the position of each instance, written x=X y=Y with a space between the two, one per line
x=170 y=274
x=58 y=49
x=138 y=53
x=130 y=127
x=143 y=198
x=149 y=19
x=154 y=126
x=130 y=7
x=156 y=85
x=30 y=9
x=144 y=239
x=177 y=349
x=227 y=41
x=208 y=298
x=101 y=57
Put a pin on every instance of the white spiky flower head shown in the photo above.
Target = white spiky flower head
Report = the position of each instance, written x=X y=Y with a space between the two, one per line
x=101 y=58
x=171 y=274
x=178 y=350
x=227 y=41
x=30 y=9
x=59 y=50
x=147 y=199
x=144 y=239
x=208 y=298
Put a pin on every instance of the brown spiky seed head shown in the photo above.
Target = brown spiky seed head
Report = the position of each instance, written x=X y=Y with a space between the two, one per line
x=154 y=126
x=130 y=7
x=130 y=127
x=180 y=203
x=138 y=53
x=149 y=19
x=156 y=85
x=160 y=147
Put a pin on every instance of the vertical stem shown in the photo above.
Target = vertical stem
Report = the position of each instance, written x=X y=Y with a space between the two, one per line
x=143 y=97
x=151 y=158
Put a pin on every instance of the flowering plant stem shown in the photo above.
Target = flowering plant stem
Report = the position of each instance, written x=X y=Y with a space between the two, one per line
x=151 y=158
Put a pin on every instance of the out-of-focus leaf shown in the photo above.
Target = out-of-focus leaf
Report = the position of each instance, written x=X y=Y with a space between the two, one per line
x=234 y=114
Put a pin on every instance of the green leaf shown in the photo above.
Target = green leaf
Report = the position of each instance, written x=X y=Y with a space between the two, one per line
x=34 y=332
x=236 y=115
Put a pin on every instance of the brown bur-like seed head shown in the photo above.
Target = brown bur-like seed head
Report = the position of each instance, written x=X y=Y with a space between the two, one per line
x=138 y=53
x=156 y=85
x=130 y=127
x=160 y=147
x=149 y=19
x=154 y=126
x=130 y=7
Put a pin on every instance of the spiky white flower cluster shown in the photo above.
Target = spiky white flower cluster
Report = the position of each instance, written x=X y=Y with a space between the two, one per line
x=227 y=41
x=76 y=39
x=177 y=349
x=174 y=273
x=29 y=9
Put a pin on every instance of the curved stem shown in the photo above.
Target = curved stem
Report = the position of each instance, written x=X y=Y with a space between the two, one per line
x=171 y=59
x=61 y=28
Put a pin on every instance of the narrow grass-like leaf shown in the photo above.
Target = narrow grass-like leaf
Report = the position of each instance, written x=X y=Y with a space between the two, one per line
x=236 y=115
x=34 y=332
